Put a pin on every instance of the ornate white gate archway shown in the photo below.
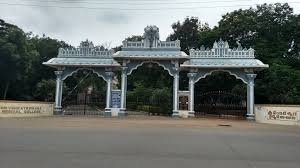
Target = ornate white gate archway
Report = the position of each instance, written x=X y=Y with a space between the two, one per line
x=239 y=62
x=86 y=56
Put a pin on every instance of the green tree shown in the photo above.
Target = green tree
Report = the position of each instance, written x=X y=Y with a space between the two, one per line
x=187 y=32
x=21 y=61
x=12 y=47
x=273 y=31
x=266 y=28
x=280 y=84
x=45 y=90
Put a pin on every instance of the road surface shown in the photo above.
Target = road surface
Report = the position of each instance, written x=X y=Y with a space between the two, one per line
x=147 y=142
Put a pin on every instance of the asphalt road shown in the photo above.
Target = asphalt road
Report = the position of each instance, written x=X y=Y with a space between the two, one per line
x=143 y=143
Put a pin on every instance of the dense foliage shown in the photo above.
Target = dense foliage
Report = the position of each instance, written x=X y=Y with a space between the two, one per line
x=273 y=30
x=21 y=71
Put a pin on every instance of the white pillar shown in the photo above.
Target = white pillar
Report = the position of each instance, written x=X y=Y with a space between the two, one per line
x=123 y=91
x=125 y=95
x=58 y=93
x=108 y=93
x=191 y=94
x=175 y=94
x=250 y=96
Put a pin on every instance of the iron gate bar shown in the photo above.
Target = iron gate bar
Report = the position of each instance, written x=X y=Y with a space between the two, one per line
x=220 y=103
x=85 y=104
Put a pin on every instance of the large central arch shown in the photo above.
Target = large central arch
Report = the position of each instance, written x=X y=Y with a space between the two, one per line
x=152 y=92
x=166 y=65
x=165 y=53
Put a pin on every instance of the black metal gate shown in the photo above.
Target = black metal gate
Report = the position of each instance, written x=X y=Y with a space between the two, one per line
x=220 y=103
x=84 y=103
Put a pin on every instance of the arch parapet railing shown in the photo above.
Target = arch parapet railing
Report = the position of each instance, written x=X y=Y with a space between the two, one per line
x=159 y=44
x=221 y=50
x=86 y=49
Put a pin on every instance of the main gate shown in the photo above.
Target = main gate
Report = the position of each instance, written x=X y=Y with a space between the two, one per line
x=239 y=62
x=220 y=103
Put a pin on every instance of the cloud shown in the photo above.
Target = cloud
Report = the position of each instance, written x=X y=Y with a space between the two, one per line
x=113 y=18
x=76 y=24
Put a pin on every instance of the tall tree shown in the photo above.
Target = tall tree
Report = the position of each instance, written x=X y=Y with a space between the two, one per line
x=266 y=28
x=21 y=58
x=187 y=32
x=12 y=46
x=273 y=31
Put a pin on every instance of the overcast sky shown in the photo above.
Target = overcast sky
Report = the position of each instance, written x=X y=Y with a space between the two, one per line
x=111 y=21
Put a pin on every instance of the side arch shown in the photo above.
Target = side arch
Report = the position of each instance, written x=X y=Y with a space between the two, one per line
x=99 y=71
x=238 y=74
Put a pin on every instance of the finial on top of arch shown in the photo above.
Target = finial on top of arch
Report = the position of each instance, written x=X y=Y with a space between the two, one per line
x=151 y=30
x=86 y=44
x=221 y=44
x=151 y=36
x=151 y=41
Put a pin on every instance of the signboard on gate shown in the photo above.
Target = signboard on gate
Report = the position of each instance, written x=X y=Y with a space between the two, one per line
x=116 y=98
